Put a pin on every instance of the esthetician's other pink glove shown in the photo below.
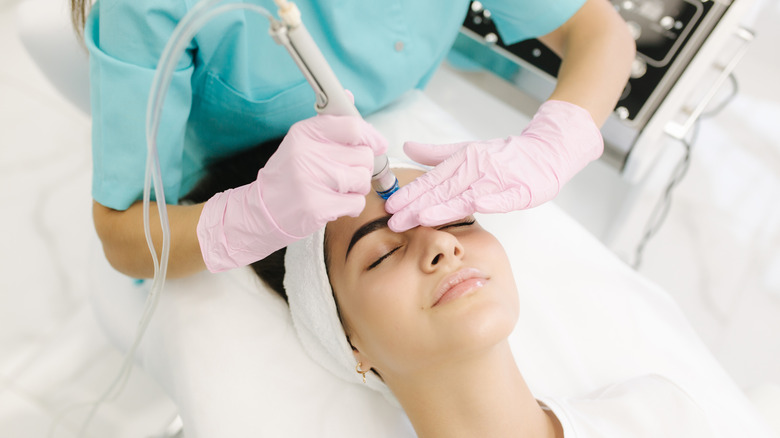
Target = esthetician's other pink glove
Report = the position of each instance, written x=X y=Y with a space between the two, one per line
x=497 y=176
x=321 y=171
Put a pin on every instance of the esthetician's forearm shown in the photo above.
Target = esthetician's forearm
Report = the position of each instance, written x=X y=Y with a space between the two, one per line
x=597 y=51
x=124 y=242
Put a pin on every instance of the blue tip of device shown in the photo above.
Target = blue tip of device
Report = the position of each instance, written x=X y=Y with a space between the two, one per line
x=389 y=192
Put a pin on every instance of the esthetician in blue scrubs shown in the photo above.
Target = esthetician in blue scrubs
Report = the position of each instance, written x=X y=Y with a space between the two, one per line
x=235 y=87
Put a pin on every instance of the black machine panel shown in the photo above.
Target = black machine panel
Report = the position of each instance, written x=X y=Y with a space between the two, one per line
x=661 y=29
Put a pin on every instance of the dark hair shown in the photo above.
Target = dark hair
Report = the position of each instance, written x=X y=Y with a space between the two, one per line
x=234 y=171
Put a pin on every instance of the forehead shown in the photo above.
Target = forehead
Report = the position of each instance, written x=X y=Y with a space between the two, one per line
x=340 y=231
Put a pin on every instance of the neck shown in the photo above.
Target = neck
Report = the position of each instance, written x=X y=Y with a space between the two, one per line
x=479 y=395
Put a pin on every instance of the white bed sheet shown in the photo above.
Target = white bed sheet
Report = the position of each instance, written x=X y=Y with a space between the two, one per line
x=223 y=346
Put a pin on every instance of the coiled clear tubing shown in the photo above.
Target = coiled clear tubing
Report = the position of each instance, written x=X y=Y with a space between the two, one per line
x=184 y=32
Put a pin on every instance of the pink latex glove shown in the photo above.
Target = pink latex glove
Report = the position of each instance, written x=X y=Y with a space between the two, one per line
x=321 y=171
x=497 y=176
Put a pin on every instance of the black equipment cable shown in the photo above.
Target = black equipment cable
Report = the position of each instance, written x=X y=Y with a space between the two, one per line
x=662 y=207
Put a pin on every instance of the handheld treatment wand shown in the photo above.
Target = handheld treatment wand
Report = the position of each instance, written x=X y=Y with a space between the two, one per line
x=331 y=97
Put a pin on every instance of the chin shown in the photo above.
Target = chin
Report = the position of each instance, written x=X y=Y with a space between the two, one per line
x=483 y=319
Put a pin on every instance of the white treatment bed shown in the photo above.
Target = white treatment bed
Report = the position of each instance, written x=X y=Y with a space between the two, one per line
x=223 y=347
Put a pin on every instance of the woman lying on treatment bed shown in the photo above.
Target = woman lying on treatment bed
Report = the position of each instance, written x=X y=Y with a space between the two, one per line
x=428 y=311
x=426 y=315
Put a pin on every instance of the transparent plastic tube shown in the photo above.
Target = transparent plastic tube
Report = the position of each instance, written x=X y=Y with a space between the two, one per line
x=184 y=32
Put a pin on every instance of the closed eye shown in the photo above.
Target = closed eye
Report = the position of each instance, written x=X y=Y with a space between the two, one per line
x=381 y=259
x=463 y=223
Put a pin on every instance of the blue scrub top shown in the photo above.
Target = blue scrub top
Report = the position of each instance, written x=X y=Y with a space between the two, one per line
x=235 y=87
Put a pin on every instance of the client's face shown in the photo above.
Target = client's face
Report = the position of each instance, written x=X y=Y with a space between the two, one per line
x=414 y=299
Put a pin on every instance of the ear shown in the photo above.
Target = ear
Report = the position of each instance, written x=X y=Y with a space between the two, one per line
x=354 y=342
x=366 y=364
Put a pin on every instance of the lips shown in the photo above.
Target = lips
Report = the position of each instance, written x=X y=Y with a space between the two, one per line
x=457 y=284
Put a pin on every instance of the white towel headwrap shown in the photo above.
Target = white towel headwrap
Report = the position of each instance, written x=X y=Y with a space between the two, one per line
x=314 y=313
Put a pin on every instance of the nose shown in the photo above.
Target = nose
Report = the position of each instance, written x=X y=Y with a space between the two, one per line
x=439 y=249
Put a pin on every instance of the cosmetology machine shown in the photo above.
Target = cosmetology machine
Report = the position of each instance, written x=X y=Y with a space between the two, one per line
x=686 y=49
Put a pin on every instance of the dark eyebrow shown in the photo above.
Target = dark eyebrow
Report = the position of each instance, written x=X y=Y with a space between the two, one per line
x=370 y=227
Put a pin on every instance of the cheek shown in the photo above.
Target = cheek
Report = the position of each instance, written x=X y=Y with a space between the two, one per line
x=486 y=252
x=383 y=314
